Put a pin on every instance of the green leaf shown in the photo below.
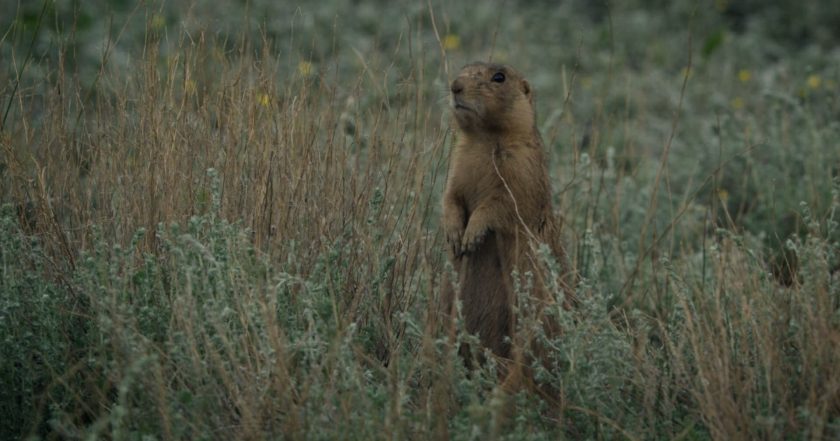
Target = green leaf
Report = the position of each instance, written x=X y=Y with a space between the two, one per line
x=713 y=43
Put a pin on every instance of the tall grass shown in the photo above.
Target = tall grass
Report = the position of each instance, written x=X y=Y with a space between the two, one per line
x=225 y=236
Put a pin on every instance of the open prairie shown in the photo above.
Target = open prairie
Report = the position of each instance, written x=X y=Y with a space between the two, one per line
x=221 y=220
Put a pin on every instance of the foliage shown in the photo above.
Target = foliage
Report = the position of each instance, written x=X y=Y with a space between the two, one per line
x=220 y=221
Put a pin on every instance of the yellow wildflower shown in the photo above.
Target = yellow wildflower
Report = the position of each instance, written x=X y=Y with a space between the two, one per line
x=744 y=75
x=814 y=81
x=158 y=22
x=263 y=99
x=451 y=42
x=305 y=68
x=723 y=195
x=737 y=103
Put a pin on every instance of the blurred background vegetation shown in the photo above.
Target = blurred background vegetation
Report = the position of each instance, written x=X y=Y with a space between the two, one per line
x=621 y=65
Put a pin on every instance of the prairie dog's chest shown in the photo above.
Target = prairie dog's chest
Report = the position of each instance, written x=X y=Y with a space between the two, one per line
x=477 y=175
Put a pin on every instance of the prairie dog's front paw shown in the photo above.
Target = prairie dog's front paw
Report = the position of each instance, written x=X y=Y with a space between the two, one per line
x=473 y=237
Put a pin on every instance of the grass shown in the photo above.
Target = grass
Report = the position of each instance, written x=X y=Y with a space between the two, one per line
x=223 y=223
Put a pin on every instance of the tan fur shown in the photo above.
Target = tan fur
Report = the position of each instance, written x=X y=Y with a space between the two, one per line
x=497 y=203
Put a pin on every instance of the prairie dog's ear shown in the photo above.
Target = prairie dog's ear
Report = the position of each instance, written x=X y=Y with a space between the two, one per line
x=526 y=88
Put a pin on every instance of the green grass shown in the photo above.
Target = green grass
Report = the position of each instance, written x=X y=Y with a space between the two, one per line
x=223 y=222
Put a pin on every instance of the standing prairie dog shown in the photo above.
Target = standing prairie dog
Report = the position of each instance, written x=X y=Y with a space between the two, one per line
x=497 y=202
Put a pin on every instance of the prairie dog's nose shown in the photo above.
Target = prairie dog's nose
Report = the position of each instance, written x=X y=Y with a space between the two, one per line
x=457 y=86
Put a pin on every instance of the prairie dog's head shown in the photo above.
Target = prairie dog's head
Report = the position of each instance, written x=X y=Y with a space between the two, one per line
x=492 y=98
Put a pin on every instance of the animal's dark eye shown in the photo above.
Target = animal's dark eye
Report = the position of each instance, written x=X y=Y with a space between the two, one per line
x=498 y=77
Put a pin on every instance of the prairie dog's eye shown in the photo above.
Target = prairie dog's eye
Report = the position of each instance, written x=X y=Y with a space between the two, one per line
x=498 y=77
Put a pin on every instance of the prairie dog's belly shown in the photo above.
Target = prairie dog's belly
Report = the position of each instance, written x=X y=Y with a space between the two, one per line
x=485 y=295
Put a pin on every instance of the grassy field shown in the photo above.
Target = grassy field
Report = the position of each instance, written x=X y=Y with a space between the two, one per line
x=221 y=220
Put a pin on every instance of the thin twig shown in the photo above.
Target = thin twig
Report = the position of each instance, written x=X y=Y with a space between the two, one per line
x=440 y=42
x=23 y=67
